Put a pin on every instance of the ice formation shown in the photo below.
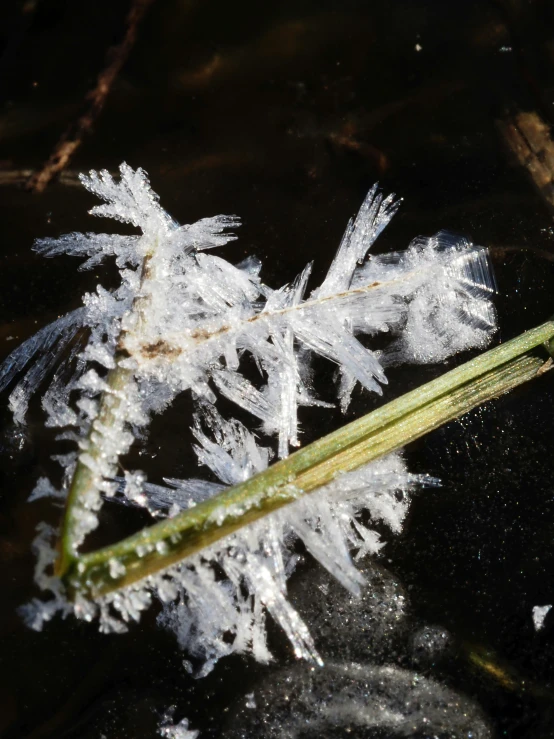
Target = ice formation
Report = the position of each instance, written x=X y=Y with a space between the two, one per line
x=212 y=621
x=428 y=643
x=539 y=615
x=186 y=319
x=350 y=699
x=368 y=686
x=180 y=730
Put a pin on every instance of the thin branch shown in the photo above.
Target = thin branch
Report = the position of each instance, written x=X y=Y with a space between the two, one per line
x=19 y=177
x=96 y=98
x=172 y=344
x=390 y=427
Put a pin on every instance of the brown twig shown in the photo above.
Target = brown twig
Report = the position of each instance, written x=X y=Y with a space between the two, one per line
x=96 y=98
x=529 y=139
x=20 y=177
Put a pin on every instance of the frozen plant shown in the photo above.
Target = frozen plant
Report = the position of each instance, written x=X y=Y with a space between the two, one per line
x=261 y=557
x=184 y=318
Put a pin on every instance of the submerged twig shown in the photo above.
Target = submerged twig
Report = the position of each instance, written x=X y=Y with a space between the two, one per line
x=10 y=177
x=96 y=99
x=528 y=138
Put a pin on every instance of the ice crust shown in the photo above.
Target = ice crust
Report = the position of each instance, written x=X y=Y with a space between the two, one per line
x=375 y=681
x=184 y=318
x=350 y=700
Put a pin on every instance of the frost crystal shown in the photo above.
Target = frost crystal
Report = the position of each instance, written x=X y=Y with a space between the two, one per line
x=539 y=615
x=211 y=621
x=169 y=730
x=184 y=318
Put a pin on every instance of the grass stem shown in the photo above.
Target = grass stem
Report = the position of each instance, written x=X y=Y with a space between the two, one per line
x=386 y=429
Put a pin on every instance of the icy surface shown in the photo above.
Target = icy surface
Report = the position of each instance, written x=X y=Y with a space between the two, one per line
x=185 y=319
x=350 y=699
x=368 y=686
x=354 y=628
x=428 y=644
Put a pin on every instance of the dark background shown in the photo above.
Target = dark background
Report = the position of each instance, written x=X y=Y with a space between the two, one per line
x=285 y=114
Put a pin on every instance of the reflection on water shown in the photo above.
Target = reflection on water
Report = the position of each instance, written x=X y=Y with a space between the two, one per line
x=372 y=678
x=352 y=700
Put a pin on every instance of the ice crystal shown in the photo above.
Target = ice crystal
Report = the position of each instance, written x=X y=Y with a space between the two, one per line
x=169 y=730
x=539 y=615
x=46 y=347
x=211 y=621
x=37 y=612
x=186 y=319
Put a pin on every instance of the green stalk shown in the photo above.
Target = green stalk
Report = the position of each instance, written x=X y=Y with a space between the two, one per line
x=83 y=478
x=390 y=427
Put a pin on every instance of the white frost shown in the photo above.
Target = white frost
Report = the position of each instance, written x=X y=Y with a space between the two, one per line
x=212 y=620
x=539 y=615
x=169 y=730
x=185 y=319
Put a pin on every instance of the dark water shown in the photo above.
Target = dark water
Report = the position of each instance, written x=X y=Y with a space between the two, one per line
x=285 y=113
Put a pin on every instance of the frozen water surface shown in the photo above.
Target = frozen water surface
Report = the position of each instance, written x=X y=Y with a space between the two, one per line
x=285 y=115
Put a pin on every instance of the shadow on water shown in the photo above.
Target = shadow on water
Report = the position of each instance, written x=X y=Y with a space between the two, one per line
x=285 y=113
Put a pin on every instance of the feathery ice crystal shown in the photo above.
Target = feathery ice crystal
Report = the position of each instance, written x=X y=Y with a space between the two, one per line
x=184 y=319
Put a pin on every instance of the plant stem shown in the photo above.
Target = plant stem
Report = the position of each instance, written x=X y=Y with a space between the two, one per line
x=83 y=477
x=83 y=495
x=390 y=427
